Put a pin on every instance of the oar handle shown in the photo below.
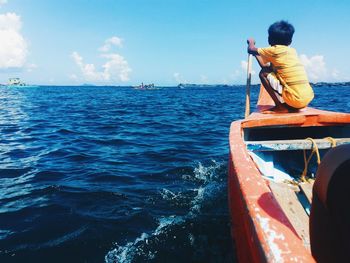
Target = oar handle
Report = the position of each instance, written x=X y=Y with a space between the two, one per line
x=249 y=78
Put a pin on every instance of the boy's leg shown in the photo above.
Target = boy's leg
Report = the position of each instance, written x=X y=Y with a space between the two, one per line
x=263 y=77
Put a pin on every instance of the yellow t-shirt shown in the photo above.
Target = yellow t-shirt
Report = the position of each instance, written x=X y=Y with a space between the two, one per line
x=297 y=91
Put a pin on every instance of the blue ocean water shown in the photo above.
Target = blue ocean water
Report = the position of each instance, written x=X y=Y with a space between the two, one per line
x=114 y=174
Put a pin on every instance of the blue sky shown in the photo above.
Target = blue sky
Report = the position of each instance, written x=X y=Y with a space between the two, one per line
x=165 y=42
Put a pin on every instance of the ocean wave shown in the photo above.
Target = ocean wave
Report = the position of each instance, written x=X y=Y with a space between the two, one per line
x=138 y=247
x=120 y=162
x=13 y=172
x=66 y=131
x=205 y=174
x=145 y=247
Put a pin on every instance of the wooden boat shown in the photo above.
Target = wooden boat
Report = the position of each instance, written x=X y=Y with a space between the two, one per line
x=17 y=83
x=146 y=87
x=268 y=199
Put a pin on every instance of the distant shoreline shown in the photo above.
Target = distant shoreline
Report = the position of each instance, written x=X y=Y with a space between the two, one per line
x=192 y=85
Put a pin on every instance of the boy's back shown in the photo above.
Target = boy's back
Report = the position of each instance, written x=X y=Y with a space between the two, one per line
x=297 y=90
x=282 y=74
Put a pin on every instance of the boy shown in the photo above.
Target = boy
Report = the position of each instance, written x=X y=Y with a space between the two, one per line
x=282 y=74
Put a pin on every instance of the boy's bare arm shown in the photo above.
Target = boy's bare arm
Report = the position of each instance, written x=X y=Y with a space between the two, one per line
x=261 y=62
x=252 y=49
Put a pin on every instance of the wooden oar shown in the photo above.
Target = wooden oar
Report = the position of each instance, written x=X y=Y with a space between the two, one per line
x=249 y=78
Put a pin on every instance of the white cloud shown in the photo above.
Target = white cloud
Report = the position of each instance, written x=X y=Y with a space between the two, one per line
x=178 y=78
x=2 y=2
x=13 y=47
x=73 y=77
x=31 y=67
x=116 y=66
x=335 y=74
x=244 y=67
x=204 y=79
x=315 y=67
x=318 y=71
x=113 y=41
x=225 y=81
x=239 y=75
x=115 y=69
x=88 y=70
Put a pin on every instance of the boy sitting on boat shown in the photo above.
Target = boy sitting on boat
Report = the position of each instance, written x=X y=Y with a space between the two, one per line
x=282 y=75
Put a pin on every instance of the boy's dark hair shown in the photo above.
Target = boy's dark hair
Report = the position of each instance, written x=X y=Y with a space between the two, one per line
x=281 y=33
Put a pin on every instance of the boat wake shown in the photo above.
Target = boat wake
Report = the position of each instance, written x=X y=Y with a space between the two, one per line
x=176 y=233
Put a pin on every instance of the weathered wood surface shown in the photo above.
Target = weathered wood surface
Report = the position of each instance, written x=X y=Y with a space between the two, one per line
x=294 y=211
x=287 y=145
x=306 y=188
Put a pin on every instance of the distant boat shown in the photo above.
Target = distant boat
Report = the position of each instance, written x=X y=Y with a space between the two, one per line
x=16 y=82
x=146 y=87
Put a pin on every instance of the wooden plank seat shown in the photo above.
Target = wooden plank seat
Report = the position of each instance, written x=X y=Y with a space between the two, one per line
x=295 y=212
x=287 y=145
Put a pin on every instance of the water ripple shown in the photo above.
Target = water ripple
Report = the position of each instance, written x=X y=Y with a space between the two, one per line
x=89 y=174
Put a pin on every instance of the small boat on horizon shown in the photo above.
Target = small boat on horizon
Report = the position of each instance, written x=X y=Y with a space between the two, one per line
x=16 y=82
x=146 y=87
x=271 y=178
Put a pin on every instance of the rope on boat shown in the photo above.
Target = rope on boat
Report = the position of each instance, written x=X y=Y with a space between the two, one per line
x=332 y=140
x=314 y=151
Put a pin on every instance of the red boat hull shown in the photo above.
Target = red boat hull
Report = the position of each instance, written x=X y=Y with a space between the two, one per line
x=260 y=227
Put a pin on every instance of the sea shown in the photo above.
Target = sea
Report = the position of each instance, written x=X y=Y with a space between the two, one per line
x=116 y=174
